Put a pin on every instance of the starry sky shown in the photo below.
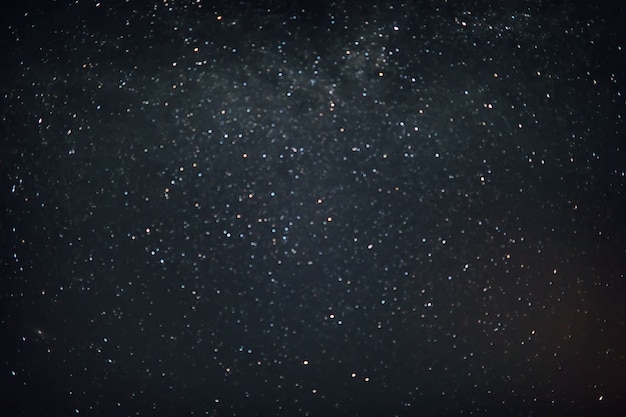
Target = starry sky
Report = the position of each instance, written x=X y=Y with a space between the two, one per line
x=332 y=208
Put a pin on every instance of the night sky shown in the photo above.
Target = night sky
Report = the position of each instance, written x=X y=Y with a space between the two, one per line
x=220 y=208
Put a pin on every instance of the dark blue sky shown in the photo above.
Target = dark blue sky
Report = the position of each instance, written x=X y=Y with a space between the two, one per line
x=339 y=209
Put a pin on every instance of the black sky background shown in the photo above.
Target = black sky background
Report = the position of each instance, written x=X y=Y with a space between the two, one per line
x=218 y=208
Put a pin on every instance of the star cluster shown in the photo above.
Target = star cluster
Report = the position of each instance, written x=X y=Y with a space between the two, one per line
x=339 y=209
